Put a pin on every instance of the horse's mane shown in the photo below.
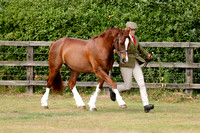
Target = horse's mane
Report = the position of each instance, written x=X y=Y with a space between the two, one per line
x=106 y=32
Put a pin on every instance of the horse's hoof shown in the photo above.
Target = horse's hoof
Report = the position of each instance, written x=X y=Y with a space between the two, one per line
x=82 y=107
x=123 y=106
x=93 y=109
x=45 y=107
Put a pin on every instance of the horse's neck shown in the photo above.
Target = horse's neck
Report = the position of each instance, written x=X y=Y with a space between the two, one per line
x=107 y=43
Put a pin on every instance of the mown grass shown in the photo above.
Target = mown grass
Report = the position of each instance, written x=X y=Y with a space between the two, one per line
x=23 y=114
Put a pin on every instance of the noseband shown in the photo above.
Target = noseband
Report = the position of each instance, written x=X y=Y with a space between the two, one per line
x=123 y=51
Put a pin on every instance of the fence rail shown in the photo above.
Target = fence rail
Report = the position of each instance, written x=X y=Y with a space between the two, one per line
x=144 y=44
x=189 y=65
x=45 y=63
x=93 y=84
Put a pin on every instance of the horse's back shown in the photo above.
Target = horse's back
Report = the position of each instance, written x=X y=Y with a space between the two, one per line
x=66 y=43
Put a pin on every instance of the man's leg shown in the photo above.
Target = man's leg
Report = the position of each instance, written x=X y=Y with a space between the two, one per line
x=137 y=73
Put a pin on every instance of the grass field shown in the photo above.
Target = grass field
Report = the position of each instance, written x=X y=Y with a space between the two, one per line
x=23 y=114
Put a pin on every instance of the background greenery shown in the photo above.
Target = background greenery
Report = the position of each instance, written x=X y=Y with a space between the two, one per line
x=49 y=20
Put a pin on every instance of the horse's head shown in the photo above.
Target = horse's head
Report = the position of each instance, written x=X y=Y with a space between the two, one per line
x=121 y=44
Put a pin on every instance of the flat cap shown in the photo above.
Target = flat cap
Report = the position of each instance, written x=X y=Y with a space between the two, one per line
x=132 y=25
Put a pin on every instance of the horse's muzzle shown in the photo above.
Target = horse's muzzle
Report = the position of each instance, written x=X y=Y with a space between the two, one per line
x=122 y=60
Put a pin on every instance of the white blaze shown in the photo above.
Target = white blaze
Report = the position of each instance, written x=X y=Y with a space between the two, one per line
x=126 y=46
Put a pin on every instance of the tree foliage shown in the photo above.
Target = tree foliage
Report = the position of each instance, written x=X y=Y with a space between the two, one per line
x=49 y=20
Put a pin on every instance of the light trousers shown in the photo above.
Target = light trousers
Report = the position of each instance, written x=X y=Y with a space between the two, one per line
x=127 y=74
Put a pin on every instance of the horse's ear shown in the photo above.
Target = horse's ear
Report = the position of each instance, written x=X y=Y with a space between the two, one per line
x=127 y=30
x=119 y=31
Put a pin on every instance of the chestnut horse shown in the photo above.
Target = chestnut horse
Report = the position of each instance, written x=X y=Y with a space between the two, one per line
x=86 y=56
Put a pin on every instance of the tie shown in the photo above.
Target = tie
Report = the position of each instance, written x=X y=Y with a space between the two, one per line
x=133 y=40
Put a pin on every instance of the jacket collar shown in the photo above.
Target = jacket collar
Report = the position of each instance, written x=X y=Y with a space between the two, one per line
x=131 y=37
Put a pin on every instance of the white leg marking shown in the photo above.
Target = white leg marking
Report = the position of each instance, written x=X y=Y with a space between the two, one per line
x=126 y=45
x=93 y=98
x=77 y=97
x=118 y=97
x=44 y=99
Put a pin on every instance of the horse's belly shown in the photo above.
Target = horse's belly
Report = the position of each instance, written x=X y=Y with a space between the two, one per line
x=81 y=68
x=79 y=65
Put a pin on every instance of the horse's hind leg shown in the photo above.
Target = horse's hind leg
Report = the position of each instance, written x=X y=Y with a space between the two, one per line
x=44 y=100
x=53 y=73
x=93 y=98
x=72 y=84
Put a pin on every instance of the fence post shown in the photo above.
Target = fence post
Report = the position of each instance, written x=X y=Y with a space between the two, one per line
x=29 y=70
x=189 y=71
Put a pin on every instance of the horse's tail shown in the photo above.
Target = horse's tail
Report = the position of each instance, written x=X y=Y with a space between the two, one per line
x=57 y=84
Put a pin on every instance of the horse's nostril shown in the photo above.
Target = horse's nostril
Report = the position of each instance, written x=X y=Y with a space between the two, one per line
x=123 y=60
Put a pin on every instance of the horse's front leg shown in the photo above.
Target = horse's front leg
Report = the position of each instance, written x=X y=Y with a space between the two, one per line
x=104 y=76
x=93 y=99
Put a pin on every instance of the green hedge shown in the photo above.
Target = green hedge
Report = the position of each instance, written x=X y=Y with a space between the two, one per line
x=49 y=20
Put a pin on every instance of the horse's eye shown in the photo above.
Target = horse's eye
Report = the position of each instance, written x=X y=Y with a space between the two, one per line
x=121 y=43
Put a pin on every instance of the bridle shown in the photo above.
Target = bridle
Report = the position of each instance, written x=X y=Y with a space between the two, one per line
x=118 y=51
